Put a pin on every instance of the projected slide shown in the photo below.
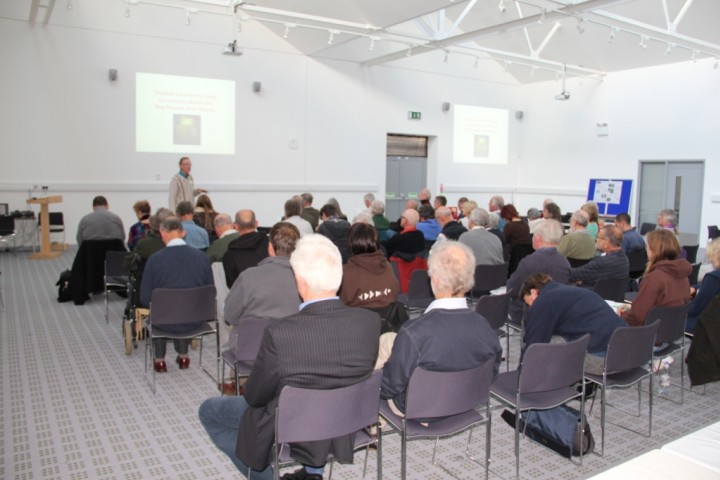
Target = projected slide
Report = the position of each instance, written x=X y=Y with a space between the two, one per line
x=184 y=114
x=480 y=135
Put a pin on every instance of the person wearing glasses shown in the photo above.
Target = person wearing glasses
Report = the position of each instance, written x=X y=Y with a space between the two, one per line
x=611 y=263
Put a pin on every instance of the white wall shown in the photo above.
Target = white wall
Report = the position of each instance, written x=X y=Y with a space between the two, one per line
x=67 y=126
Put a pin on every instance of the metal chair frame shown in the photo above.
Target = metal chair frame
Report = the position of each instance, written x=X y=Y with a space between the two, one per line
x=671 y=331
x=116 y=277
x=242 y=358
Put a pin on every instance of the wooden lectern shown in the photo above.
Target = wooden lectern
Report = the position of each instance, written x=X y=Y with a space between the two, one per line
x=45 y=250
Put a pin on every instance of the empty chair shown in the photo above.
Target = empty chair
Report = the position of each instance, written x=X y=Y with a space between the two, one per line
x=638 y=260
x=647 y=227
x=419 y=294
x=546 y=378
x=691 y=252
x=247 y=344
x=173 y=306
x=405 y=268
x=306 y=415
x=694 y=273
x=495 y=310
x=517 y=253
x=56 y=224
x=489 y=277
x=7 y=229
x=611 y=288
x=446 y=408
x=627 y=362
x=116 y=277
x=670 y=337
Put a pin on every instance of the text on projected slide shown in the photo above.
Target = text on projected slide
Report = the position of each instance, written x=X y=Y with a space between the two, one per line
x=480 y=135
x=177 y=114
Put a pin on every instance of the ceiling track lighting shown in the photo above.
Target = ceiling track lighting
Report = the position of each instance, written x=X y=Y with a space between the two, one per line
x=694 y=55
x=69 y=5
x=187 y=18
x=447 y=55
x=372 y=44
x=613 y=32
x=643 y=41
x=127 y=11
x=331 y=38
x=287 y=31
x=409 y=51
x=580 y=25
x=501 y=6
x=477 y=62
x=542 y=16
x=669 y=48
x=716 y=65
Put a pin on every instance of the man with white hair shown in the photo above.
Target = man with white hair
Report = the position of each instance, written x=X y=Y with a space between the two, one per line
x=486 y=247
x=451 y=229
x=494 y=206
x=368 y=199
x=325 y=345
x=449 y=336
x=225 y=230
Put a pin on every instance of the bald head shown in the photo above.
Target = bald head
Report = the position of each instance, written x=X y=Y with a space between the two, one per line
x=410 y=217
x=245 y=221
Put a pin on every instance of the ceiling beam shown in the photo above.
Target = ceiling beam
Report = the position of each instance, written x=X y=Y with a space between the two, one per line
x=574 y=9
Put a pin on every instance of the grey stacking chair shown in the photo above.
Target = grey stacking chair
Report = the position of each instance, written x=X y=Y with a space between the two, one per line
x=419 y=294
x=546 y=378
x=495 y=310
x=306 y=415
x=172 y=306
x=249 y=335
x=611 y=288
x=627 y=363
x=116 y=277
x=487 y=278
x=447 y=408
x=671 y=334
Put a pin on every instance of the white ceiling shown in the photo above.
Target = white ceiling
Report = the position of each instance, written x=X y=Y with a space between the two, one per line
x=530 y=38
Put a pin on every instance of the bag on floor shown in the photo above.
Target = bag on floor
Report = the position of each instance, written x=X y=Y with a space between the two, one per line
x=63 y=284
x=557 y=428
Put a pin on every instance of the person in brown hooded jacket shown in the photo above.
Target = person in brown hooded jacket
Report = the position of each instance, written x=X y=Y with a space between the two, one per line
x=665 y=282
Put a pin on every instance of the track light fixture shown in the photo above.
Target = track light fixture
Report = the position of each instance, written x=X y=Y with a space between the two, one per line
x=613 y=32
x=127 y=11
x=716 y=65
x=332 y=36
x=542 y=16
x=287 y=31
x=580 y=25
x=409 y=51
x=187 y=17
x=372 y=44
x=501 y=6
x=69 y=5
x=447 y=55
x=669 y=48
x=477 y=62
x=694 y=55
x=643 y=41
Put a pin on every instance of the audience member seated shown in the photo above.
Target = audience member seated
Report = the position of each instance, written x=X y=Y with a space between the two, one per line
x=516 y=231
x=428 y=225
x=552 y=211
x=377 y=209
x=448 y=337
x=368 y=278
x=534 y=217
x=495 y=206
x=247 y=250
x=451 y=229
x=332 y=201
x=225 y=233
x=665 y=282
x=424 y=196
x=593 y=226
x=461 y=201
x=325 y=345
x=139 y=230
x=368 y=200
x=310 y=213
x=667 y=219
x=577 y=244
x=293 y=208
x=204 y=215
x=195 y=236
x=440 y=201
x=101 y=224
x=395 y=226
x=410 y=242
x=336 y=229
x=486 y=247
x=612 y=263
x=493 y=228
x=546 y=259
x=709 y=287
x=632 y=240
x=556 y=310
x=467 y=207
x=176 y=266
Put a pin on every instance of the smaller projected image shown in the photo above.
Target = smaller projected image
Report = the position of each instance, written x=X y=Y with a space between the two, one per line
x=186 y=129
x=482 y=146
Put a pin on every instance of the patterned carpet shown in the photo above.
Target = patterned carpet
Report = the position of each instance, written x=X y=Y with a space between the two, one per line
x=74 y=406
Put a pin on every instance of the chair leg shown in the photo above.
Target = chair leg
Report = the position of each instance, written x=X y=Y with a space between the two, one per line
x=602 y=419
x=403 y=451
x=517 y=443
x=379 y=451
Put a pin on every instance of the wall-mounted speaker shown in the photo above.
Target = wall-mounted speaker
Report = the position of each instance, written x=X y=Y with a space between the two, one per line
x=112 y=74
x=519 y=114
x=256 y=87
x=446 y=107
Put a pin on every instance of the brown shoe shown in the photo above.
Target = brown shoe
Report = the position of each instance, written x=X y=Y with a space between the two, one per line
x=160 y=366
x=228 y=388
x=183 y=362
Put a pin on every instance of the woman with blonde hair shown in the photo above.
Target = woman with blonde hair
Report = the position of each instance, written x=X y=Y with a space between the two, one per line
x=665 y=282
x=204 y=215
x=593 y=226
x=709 y=288
x=467 y=207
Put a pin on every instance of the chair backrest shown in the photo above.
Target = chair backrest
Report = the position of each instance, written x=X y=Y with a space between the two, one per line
x=578 y=262
x=442 y=394
x=56 y=219
x=694 y=273
x=647 y=227
x=691 y=252
x=672 y=322
x=170 y=306
x=420 y=285
x=713 y=232
x=637 y=260
x=306 y=415
x=494 y=308
x=250 y=332
x=517 y=253
x=630 y=347
x=7 y=225
x=405 y=269
x=611 y=288
x=489 y=277
x=551 y=366
x=114 y=263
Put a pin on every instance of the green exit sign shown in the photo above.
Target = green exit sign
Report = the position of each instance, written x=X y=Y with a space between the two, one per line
x=414 y=115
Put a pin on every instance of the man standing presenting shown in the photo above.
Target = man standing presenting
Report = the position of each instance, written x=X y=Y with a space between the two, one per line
x=182 y=186
x=325 y=345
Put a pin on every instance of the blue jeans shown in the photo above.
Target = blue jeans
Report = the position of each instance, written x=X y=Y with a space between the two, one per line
x=221 y=418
